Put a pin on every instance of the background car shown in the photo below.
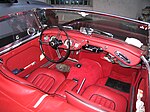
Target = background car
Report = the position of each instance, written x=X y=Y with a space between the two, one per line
x=12 y=6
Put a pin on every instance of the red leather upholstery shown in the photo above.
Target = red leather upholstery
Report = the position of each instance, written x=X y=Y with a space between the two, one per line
x=86 y=71
x=106 y=98
x=46 y=79
x=67 y=85
x=84 y=104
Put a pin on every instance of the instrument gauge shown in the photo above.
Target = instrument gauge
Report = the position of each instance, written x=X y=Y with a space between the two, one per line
x=67 y=42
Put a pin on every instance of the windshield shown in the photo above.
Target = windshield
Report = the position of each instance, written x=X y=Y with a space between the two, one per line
x=17 y=27
x=108 y=25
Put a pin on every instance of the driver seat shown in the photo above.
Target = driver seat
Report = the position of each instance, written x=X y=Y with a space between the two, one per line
x=46 y=80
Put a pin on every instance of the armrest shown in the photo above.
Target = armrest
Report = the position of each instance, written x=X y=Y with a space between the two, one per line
x=67 y=85
x=84 y=104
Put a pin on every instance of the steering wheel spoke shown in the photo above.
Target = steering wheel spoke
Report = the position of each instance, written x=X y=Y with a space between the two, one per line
x=44 y=42
x=58 y=53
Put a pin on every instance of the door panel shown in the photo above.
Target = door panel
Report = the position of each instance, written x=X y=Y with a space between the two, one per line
x=24 y=59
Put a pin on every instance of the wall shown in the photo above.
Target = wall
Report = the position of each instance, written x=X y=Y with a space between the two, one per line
x=126 y=8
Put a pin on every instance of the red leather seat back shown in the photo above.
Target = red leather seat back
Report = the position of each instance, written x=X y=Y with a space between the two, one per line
x=46 y=79
x=103 y=101
x=84 y=104
x=106 y=98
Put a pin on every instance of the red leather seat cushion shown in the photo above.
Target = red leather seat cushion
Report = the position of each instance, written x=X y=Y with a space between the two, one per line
x=106 y=98
x=46 y=79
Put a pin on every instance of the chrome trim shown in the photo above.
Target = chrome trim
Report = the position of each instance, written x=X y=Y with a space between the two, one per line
x=122 y=57
x=96 y=12
x=31 y=29
x=147 y=65
x=148 y=68
x=81 y=85
x=72 y=59
x=40 y=100
x=87 y=104
x=149 y=41
x=18 y=44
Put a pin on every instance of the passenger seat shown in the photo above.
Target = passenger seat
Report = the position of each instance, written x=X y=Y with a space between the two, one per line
x=106 y=98
x=97 y=98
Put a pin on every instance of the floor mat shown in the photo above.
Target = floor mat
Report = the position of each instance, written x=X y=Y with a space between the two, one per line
x=119 y=85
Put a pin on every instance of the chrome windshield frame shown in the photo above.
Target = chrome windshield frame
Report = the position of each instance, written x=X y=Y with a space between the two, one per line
x=148 y=69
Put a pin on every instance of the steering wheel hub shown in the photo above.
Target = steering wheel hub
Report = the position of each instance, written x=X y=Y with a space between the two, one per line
x=55 y=43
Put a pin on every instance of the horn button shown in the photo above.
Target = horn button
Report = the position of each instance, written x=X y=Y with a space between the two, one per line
x=54 y=42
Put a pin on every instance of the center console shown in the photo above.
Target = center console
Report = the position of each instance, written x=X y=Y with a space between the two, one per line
x=67 y=85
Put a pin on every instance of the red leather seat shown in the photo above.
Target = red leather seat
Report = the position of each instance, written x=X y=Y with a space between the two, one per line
x=46 y=79
x=106 y=98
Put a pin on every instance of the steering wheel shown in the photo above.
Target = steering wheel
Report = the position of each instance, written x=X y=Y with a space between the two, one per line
x=54 y=43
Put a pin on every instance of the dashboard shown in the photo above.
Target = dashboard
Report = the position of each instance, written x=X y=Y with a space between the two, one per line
x=127 y=54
